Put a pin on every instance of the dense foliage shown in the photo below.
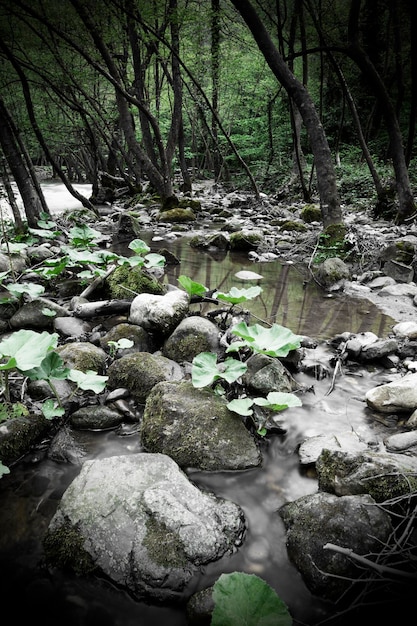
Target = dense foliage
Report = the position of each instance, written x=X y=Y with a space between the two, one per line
x=167 y=91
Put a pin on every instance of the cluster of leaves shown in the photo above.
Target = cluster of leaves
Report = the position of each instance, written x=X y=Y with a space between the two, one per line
x=33 y=355
x=276 y=341
x=80 y=254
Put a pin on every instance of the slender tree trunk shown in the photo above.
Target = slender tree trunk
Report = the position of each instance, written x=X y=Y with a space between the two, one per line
x=19 y=169
x=326 y=176
x=405 y=196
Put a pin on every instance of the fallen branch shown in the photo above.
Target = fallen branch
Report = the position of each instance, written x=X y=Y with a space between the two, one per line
x=103 y=307
x=381 y=569
x=96 y=282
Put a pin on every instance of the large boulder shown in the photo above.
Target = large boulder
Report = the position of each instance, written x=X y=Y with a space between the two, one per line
x=138 y=520
x=196 y=429
x=319 y=521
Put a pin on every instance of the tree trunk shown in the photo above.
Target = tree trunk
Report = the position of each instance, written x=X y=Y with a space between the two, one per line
x=326 y=176
x=19 y=169
x=406 y=204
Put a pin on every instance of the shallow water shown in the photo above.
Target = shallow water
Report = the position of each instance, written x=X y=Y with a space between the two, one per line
x=30 y=494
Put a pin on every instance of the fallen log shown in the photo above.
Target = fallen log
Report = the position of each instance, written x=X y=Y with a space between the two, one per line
x=102 y=307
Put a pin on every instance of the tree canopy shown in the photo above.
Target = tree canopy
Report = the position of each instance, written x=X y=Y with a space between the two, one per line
x=254 y=93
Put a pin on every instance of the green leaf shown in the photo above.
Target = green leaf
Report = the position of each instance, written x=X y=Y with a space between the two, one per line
x=32 y=289
x=52 y=366
x=27 y=348
x=242 y=406
x=204 y=369
x=3 y=469
x=246 y=600
x=13 y=247
x=278 y=400
x=83 y=256
x=232 y=369
x=45 y=234
x=191 y=287
x=139 y=247
x=274 y=341
x=154 y=260
x=235 y=295
x=50 y=409
x=48 y=312
x=88 y=380
x=83 y=235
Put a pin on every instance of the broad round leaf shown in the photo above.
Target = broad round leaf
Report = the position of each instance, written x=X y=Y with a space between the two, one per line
x=247 y=600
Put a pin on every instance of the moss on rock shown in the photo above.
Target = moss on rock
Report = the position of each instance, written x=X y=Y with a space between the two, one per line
x=64 y=548
x=127 y=282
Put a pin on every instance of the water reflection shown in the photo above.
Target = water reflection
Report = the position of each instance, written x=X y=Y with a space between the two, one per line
x=290 y=297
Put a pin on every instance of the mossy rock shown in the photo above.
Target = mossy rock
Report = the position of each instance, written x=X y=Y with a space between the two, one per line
x=20 y=434
x=127 y=282
x=189 y=203
x=64 y=548
x=335 y=234
x=294 y=226
x=311 y=213
x=244 y=240
x=177 y=215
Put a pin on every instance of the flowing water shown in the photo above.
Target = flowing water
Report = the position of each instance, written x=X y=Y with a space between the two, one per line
x=30 y=494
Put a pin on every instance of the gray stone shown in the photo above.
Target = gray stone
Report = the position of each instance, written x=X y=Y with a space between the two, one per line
x=344 y=473
x=159 y=313
x=398 y=396
x=196 y=429
x=193 y=335
x=316 y=522
x=140 y=521
x=139 y=372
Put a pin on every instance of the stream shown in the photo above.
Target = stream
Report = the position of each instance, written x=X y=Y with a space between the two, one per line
x=31 y=492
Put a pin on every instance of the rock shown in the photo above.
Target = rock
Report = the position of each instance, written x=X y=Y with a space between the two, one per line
x=356 y=343
x=31 y=314
x=265 y=374
x=311 y=448
x=83 y=356
x=139 y=372
x=142 y=340
x=247 y=275
x=395 y=397
x=401 y=441
x=398 y=290
x=64 y=449
x=344 y=473
x=159 y=314
x=196 y=429
x=71 y=327
x=313 y=521
x=332 y=271
x=406 y=329
x=379 y=349
x=17 y=435
x=193 y=335
x=245 y=240
x=95 y=417
x=399 y=271
x=177 y=215
x=138 y=520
